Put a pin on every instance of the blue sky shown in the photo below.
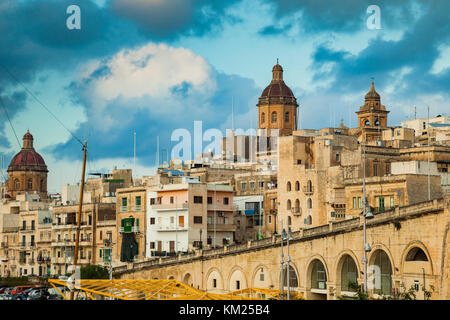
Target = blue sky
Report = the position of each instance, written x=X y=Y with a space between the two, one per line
x=153 y=66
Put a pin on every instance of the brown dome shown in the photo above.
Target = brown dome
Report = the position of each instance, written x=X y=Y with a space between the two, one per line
x=372 y=94
x=277 y=89
x=27 y=159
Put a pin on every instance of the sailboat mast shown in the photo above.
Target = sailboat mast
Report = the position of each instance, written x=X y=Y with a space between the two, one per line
x=80 y=207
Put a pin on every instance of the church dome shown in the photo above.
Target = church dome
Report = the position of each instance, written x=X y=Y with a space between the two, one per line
x=372 y=94
x=277 y=88
x=27 y=159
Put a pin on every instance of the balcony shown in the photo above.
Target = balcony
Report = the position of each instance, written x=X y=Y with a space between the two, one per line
x=31 y=244
x=222 y=227
x=123 y=209
x=163 y=228
x=170 y=206
x=307 y=190
x=296 y=211
x=27 y=229
x=220 y=207
x=137 y=207
x=134 y=229
x=4 y=258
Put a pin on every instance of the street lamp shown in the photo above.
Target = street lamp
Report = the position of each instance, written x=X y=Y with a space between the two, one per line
x=367 y=214
x=288 y=238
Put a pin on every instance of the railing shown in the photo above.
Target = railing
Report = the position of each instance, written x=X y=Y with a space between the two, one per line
x=220 y=207
x=297 y=235
x=28 y=228
x=170 y=206
x=137 y=207
x=123 y=209
x=307 y=190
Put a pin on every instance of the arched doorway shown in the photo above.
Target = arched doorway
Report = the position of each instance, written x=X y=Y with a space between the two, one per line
x=293 y=279
x=348 y=275
x=237 y=281
x=317 y=280
x=417 y=270
x=187 y=279
x=380 y=273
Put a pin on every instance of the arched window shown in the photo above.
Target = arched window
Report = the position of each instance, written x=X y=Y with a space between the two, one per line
x=318 y=275
x=349 y=274
x=41 y=185
x=289 y=205
x=288 y=186
x=297 y=185
x=30 y=184
x=416 y=254
x=289 y=220
x=274 y=117
x=308 y=220
x=263 y=117
x=286 y=117
x=17 y=184
x=377 y=122
x=297 y=206
x=293 y=280
x=381 y=260
x=309 y=186
x=309 y=203
x=367 y=123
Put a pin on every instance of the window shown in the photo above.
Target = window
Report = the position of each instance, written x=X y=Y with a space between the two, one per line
x=318 y=276
x=209 y=200
x=367 y=123
x=101 y=235
x=243 y=186
x=388 y=168
x=32 y=224
x=359 y=202
x=288 y=186
x=377 y=122
x=171 y=220
x=171 y=199
x=198 y=219
x=297 y=186
x=152 y=201
x=391 y=202
x=289 y=205
x=152 y=245
x=309 y=203
x=263 y=117
x=286 y=117
x=238 y=285
x=225 y=200
x=337 y=157
x=381 y=204
x=289 y=220
x=252 y=185
x=355 y=203
x=124 y=202
x=209 y=220
x=384 y=264
x=375 y=169
x=138 y=200
x=274 y=117
x=17 y=184
x=261 y=276
x=214 y=283
x=198 y=199
x=30 y=184
x=152 y=220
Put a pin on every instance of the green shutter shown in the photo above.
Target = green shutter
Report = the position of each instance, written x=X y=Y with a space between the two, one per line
x=101 y=252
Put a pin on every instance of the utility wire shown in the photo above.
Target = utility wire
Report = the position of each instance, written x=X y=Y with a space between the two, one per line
x=30 y=93
x=10 y=123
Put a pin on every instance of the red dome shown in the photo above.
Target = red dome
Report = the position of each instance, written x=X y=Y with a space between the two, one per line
x=277 y=89
x=27 y=159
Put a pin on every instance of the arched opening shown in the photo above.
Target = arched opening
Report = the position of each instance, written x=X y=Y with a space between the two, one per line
x=17 y=184
x=293 y=279
x=309 y=187
x=367 y=123
x=171 y=278
x=297 y=185
x=309 y=203
x=377 y=122
x=274 y=117
x=349 y=274
x=416 y=254
x=30 y=184
x=380 y=273
x=289 y=220
x=286 y=117
x=288 y=186
x=237 y=281
x=187 y=279
x=289 y=205
x=263 y=117
x=297 y=206
x=317 y=280
x=214 y=282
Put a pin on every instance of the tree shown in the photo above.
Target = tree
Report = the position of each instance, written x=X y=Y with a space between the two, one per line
x=94 y=272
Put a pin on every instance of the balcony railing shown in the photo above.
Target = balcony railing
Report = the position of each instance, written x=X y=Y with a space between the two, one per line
x=27 y=228
x=137 y=207
x=123 y=209
x=134 y=229
x=170 y=206
x=307 y=190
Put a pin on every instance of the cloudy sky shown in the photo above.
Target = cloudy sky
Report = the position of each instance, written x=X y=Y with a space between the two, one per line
x=152 y=66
